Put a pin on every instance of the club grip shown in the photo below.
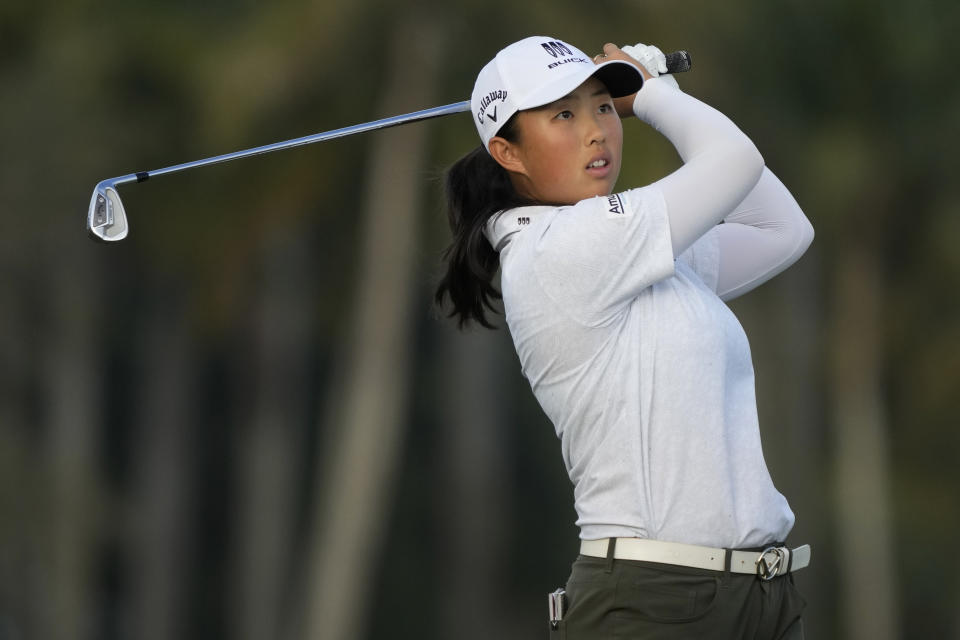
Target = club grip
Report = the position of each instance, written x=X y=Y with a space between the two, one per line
x=678 y=62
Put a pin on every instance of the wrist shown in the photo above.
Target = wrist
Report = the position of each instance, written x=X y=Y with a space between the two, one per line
x=645 y=99
x=624 y=105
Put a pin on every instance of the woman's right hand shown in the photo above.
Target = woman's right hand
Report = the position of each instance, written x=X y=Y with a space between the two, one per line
x=624 y=105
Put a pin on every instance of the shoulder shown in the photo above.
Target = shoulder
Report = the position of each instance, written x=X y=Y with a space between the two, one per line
x=598 y=225
x=501 y=229
x=619 y=207
x=606 y=224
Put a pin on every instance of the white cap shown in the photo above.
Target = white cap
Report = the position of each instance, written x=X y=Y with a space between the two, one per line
x=536 y=71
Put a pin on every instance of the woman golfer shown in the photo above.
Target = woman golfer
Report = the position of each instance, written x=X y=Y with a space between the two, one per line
x=615 y=303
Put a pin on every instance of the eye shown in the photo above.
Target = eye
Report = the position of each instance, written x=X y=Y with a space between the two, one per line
x=566 y=114
x=606 y=107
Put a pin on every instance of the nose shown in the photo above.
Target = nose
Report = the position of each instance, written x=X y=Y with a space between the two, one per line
x=595 y=133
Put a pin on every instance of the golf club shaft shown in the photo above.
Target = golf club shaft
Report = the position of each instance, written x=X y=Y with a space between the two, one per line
x=677 y=61
x=107 y=219
x=384 y=123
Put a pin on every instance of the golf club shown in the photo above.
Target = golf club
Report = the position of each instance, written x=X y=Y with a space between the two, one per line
x=107 y=219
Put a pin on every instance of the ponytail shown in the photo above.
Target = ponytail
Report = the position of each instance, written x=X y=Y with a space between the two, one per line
x=476 y=188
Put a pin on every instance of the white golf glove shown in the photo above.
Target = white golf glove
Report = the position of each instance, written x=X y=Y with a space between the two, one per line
x=652 y=60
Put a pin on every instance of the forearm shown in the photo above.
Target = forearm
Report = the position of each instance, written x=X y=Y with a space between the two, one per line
x=721 y=164
x=763 y=236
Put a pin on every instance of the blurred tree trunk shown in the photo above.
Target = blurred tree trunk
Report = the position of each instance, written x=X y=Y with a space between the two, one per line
x=956 y=613
x=356 y=466
x=474 y=488
x=20 y=476
x=784 y=320
x=268 y=465
x=798 y=425
x=158 y=544
x=864 y=544
x=73 y=385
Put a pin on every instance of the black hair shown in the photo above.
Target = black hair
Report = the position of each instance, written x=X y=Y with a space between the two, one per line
x=476 y=188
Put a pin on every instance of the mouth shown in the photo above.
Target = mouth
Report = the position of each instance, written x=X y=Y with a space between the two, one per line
x=599 y=167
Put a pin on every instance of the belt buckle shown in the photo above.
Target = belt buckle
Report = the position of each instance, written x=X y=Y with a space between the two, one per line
x=768 y=569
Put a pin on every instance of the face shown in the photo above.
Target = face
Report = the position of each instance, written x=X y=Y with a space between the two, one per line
x=566 y=151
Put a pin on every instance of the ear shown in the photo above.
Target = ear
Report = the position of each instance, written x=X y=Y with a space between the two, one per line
x=507 y=155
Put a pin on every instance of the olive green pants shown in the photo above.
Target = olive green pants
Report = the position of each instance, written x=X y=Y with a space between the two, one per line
x=612 y=599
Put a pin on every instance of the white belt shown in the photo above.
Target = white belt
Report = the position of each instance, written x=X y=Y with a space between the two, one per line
x=767 y=564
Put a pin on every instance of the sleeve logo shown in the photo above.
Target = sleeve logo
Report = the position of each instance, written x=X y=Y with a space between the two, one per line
x=616 y=207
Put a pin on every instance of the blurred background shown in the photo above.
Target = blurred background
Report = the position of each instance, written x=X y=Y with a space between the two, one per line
x=247 y=421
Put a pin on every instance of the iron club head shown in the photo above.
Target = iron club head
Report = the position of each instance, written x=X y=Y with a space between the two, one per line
x=106 y=219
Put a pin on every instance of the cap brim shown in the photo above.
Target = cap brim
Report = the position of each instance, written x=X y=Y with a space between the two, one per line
x=620 y=77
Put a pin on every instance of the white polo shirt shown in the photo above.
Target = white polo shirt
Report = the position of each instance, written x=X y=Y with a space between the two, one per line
x=643 y=370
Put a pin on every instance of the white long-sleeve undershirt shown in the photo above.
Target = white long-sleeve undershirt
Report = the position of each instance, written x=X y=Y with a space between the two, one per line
x=723 y=178
x=645 y=373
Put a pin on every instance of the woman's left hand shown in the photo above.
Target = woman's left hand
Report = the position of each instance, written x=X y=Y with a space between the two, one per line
x=652 y=60
x=624 y=105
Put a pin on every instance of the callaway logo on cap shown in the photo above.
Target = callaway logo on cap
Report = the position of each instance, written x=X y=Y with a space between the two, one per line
x=536 y=71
